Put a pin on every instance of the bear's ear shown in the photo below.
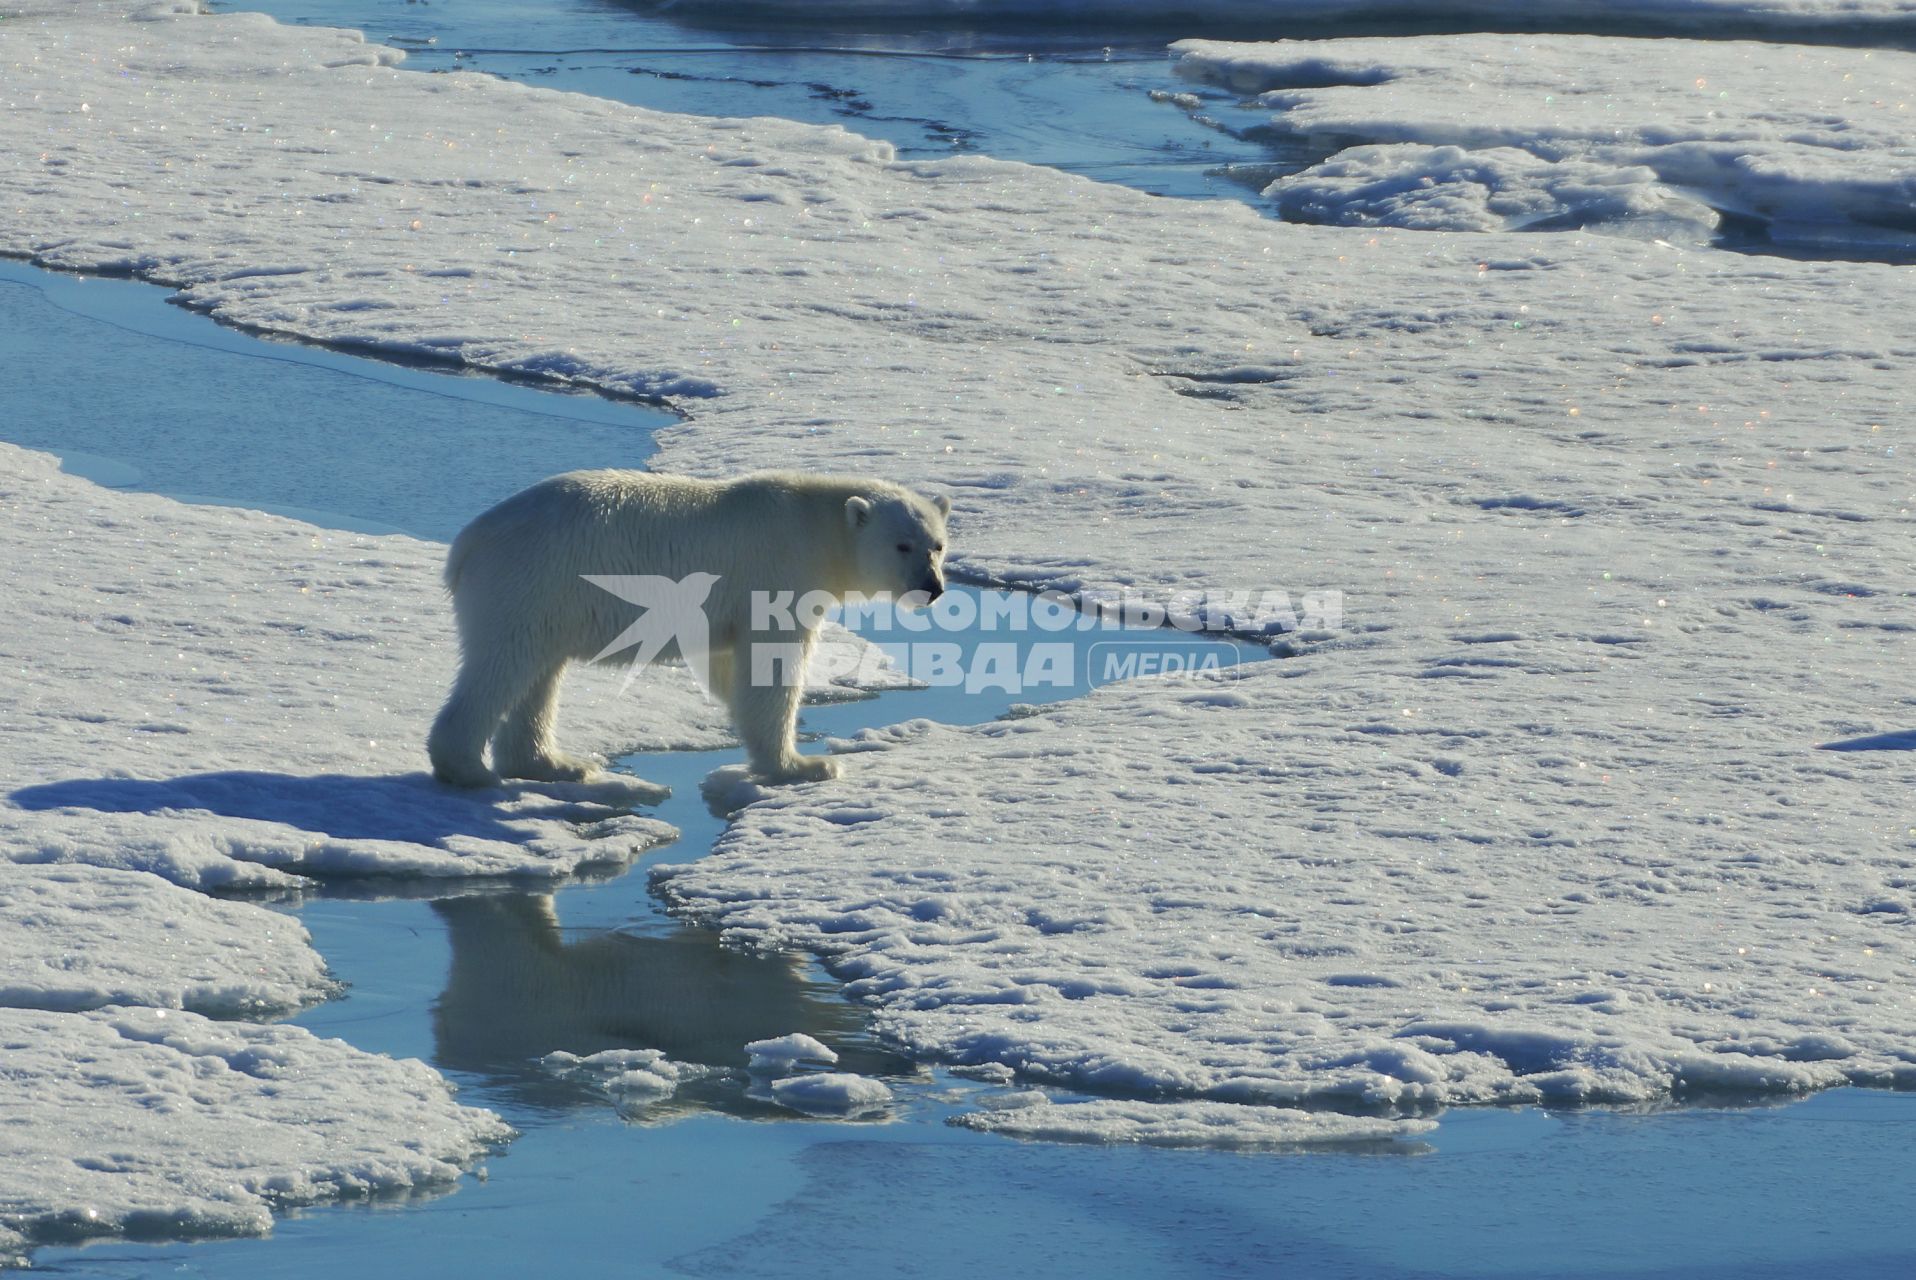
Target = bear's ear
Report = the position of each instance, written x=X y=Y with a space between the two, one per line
x=857 y=511
x=943 y=504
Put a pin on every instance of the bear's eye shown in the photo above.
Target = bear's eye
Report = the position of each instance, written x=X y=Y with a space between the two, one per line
x=905 y=547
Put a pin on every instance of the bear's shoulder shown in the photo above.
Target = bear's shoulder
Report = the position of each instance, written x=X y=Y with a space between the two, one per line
x=807 y=484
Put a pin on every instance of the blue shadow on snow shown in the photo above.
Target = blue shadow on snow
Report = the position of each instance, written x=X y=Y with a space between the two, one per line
x=409 y=807
x=1904 y=740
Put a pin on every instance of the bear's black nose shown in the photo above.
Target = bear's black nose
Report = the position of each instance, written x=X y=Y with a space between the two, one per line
x=933 y=588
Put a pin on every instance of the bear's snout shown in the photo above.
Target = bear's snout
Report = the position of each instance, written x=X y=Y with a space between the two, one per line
x=931 y=588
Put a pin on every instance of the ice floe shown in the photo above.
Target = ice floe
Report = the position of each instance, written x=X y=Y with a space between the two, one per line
x=633 y=1078
x=1812 y=148
x=834 y=1093
x=1194 y=1124
x=149 y=1122
x=781 y=1055
x=80 y=937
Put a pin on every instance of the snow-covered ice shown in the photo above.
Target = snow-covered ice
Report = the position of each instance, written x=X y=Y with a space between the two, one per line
x=1470 y=945
x=1622 y=530
x=781 y=1055
x=1816 y=146
x=130 y=1121
x=79 y=937
x=834 y=1093
x=633 y=1078
x=1215 y=1124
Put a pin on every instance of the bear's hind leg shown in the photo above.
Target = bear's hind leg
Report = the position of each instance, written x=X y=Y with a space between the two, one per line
x=525 y=747
x=457 y=742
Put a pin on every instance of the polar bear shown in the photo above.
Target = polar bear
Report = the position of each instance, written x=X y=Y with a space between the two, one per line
x=537 y=582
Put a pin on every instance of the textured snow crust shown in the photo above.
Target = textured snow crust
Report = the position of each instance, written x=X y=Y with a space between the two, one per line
x=1658 y=138
x=1210 y=1124
x=782 y=1055
x=79 y=937
x=634 y=1079
x=150 y=1123
x=832 y=1093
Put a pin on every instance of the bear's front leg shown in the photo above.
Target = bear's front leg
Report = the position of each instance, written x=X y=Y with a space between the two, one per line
x=768 y=680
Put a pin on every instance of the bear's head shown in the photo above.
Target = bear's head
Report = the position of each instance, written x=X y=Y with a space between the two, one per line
x=898 y=541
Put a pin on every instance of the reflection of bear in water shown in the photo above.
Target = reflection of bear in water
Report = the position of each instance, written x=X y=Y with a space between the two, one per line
x=519 y=581
x=518 y=991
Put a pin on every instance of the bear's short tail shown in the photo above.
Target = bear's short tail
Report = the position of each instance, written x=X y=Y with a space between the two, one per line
x=456 y=559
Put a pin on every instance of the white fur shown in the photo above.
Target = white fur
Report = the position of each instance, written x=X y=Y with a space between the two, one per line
x=517 y=575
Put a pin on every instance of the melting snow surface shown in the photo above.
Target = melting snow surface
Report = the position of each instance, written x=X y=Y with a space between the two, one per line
x=1215 y=1124
x=833 y=1093
x=776 y=1057
x=158 y=1123
x=1658 y=138
x=79 y=937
